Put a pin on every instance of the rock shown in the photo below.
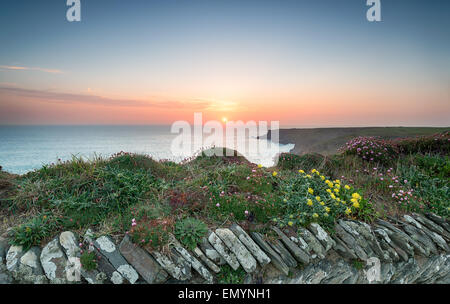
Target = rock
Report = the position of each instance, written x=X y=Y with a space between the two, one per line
x=201 y=270
x=176 y=266
x=4 y=246
x=211 y=253
x=436 y=219
x=387 y=271
x=30 y=270
x=436 y=267
x=144 y=264
x=350 y=241
x=242 y=254
x=107 y=248
x=406 y=272
x=298 y=254
x=366 y=231
x=117 y=278
x=13 y=258
x=312 y=242
x=386 y=243
x=338 y=274
x=403 y=240
x=223 y=250
x=437 y=229
x=5 y=275
x=199 y=254
x=355 y=231
x=303 y=246
x=54 y=263
x=438 y=239
x=322 y=236
x=275 y=258
x=341 y=248
x=260 y=255
x=278 y=247
x=68 y=242
x=421 y=238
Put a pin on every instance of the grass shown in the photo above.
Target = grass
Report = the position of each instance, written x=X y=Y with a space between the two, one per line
x=134 y=194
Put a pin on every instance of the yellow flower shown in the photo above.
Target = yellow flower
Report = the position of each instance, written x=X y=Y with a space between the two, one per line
x=344 y=202
x=338 y=199
x=347 y=187
x=330 y=184
x=354 y=200
x=329 y=190
x=259 y=166
x=348 y=211
x=290 y=223
x=301 y=171
x=315 y=215
x=356 y=195
x=325 y=214
x=322 y=203
x=327 y=209
x=310 y=190
x=318 y=198
x=322 y=177
x=291 y=216
x=309 y=202
x=337 y=181
x=333 y=196
x=337 y=186
x=308 y=176
x=336 y=190
x=356 y=205
x=313 y=170
x=285 y=200
x=274 y=173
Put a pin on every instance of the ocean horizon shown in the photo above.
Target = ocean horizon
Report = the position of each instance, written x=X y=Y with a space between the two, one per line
x=25 y=148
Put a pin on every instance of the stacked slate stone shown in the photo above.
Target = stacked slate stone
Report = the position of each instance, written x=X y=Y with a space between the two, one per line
x=410 y=249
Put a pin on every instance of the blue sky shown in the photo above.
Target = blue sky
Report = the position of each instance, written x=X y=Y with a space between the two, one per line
x=305 y=63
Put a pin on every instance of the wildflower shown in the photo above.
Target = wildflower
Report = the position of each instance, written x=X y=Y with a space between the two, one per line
x=274 y=173
x=318 y=198
x=356 y=205
x=322 y=203
x=325 y=214
x=337 y=181
x=290 y=223
x=348 y=211
x=336 y=190
x=333 y=196
x=308 y=176
x=285 y=200
x=291 y=216
x=217 y=205
x=315 y=215
x=329 y=190
x=259 y=166
x=322 y=177
x=246 y=212
x=301 y=171
x=310 y=190
x=356 y=195
x=327 y=209
x=248 y=177
x=347 y=187
x=309 y=202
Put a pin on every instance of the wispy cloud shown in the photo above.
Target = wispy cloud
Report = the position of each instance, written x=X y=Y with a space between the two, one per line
x=69 y=98
x=23 y=68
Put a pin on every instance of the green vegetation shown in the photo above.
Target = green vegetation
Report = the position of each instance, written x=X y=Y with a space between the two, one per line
x=134 y=194
x=88 y=260
x=190 y=231
x=229 y=276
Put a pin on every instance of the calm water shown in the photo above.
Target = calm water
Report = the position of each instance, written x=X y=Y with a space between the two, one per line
x=25 y=148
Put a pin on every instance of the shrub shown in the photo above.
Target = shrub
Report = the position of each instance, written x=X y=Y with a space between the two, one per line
x=370 y=149
x=435 y=144
x=88 y=260
x=229 y=276
x=151 y=233
x=289 y=161
x=190 y=231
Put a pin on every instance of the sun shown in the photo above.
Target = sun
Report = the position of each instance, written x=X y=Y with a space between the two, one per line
x=224 y=119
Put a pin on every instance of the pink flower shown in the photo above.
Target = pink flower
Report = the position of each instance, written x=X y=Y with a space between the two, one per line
x=217 y=205
x=246 y=212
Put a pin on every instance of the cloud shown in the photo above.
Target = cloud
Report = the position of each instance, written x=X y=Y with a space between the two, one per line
x=21 y=68
x=69 y=98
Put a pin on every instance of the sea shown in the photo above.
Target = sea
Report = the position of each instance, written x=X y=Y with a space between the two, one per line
x=27 y=148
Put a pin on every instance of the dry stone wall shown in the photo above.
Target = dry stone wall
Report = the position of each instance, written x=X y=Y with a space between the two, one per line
x=411 y=249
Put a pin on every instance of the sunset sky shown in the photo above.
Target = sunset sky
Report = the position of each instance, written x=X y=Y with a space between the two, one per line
x=316 y=63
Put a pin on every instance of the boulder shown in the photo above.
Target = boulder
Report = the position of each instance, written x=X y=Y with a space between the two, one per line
x=275 y=258
x=30 y=270
x=322 y=236
x=54 y=263
x=199 y=254
x=386 y=243
x=342 y=249
x=350 y=241
x=108 y=249
x=223 y=250
x=421 y=238
x=436 y=219
x=201 y=270
x=353 y=229
x=211 y=253
x=312 y=242
x=244 y=256
x=144 y=264
x=298 y=254
x=13 y=258
x=69 y=243
x=259 y=254
x=403 y=240
x=278 y=247
x=176 y=266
